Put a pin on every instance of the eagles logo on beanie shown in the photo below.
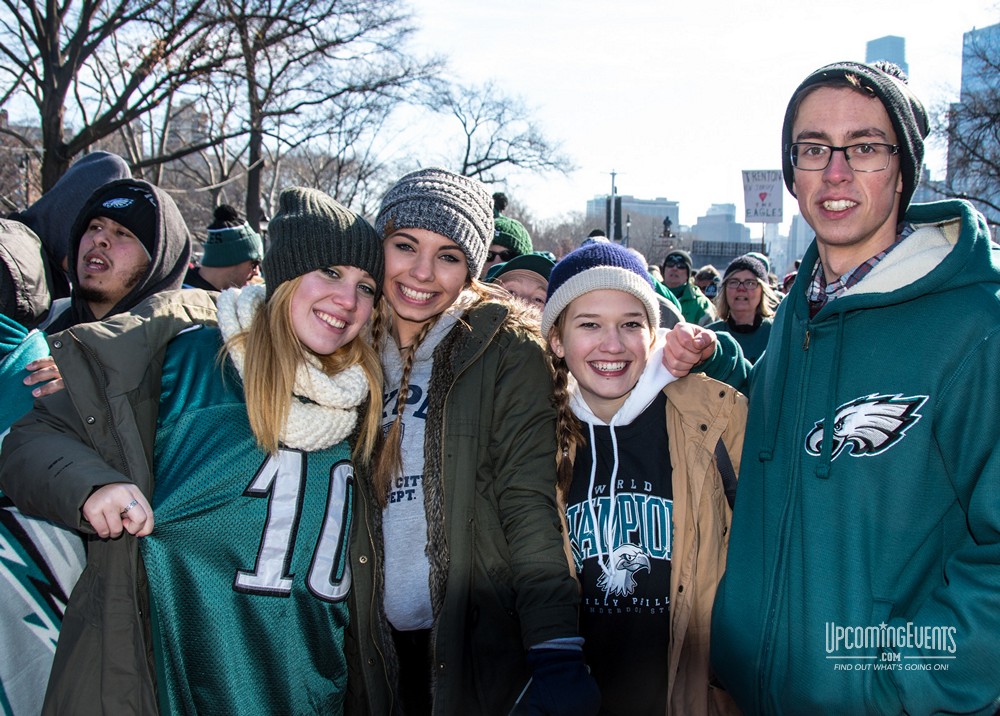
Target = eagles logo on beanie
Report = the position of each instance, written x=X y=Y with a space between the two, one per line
x=595 y=267
x=131 y=205
x=230 y=240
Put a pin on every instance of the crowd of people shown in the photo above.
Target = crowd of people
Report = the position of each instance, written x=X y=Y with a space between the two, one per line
x=414 y=466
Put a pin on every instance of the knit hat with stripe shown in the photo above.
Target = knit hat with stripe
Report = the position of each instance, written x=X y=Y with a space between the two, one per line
x=595 y=267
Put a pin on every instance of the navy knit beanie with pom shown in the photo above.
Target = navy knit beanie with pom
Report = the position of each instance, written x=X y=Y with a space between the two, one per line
x=595 y=267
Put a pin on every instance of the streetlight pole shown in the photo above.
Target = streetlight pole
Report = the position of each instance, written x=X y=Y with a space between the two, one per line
x=611 y=208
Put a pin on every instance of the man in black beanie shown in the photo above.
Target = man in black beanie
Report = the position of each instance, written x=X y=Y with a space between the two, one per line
x=128 y=242
x=864 y=559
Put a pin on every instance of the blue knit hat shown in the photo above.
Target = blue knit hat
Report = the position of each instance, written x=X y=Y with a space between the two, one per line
x=595 y=267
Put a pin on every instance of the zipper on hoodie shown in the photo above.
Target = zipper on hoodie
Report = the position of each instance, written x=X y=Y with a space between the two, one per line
x=778 y=576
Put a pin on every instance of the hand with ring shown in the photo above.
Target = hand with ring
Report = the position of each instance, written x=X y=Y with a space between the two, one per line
x=116 y=508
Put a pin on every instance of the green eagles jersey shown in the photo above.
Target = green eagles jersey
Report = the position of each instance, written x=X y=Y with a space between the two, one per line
x=248 y=562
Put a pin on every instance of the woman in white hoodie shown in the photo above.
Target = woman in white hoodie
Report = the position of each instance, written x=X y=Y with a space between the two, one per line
x=645 y=499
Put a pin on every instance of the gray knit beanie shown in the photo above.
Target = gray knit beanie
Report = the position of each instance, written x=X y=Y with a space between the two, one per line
x=908 y=116
x=312 y=231
x=437 y=200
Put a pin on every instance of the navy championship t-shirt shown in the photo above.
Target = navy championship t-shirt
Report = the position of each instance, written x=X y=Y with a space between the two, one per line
x=625 y=609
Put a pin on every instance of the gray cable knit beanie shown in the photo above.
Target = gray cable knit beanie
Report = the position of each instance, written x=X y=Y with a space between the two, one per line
x=437 y=200
x=312 y=231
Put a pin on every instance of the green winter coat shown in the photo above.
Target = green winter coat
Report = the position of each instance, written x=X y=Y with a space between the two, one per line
x=846 y=539
x=491 y=424
x=100 y=430
x=695 y=307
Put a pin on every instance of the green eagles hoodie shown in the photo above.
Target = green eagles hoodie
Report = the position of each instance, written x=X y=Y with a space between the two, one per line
x=864 y=561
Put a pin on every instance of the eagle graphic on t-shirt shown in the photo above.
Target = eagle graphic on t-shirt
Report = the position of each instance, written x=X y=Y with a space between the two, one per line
x=619 y=579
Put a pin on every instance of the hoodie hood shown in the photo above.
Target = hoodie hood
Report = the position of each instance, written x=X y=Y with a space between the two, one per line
x=53 y=215
x=948 y=249
x=170 y=252
x=24 y=275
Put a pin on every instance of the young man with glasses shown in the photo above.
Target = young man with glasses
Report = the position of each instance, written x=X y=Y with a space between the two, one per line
x=864 y=560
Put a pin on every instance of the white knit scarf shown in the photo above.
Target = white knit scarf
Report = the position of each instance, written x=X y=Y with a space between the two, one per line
x=329 y=412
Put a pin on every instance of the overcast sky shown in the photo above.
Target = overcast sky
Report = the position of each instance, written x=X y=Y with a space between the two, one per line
x=679 y=97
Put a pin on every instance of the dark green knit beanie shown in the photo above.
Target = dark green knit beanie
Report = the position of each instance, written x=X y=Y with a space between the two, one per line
x=312 y=231
x=230 y=240
x=512 y=234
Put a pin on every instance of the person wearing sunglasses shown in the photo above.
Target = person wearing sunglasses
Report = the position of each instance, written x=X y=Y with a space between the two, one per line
x=746 y=304
x=677 y=271
x=863 y=570
x=510 y=240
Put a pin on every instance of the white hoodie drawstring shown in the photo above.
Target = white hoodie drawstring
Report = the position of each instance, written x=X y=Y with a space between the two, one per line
x=608 y=568
x=650 y=383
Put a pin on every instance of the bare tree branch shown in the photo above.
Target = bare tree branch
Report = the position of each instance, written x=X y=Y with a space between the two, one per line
x=498 y=133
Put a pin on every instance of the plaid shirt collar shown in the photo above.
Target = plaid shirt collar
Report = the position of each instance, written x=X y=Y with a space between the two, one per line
x=820 y=292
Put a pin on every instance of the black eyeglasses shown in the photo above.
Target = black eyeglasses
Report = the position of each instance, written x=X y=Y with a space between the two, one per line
x=747 y=285
x=505 y=255
x=866 y=157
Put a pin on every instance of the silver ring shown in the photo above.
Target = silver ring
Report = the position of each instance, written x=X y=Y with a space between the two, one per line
x=129 y=506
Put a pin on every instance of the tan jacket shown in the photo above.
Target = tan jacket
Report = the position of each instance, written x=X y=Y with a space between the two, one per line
x=700 y=412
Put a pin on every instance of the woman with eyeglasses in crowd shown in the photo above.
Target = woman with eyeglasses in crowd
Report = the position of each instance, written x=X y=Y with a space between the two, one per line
x=231 y=422
x=746 y=304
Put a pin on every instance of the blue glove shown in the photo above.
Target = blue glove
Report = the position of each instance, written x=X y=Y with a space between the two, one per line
x=561 y=684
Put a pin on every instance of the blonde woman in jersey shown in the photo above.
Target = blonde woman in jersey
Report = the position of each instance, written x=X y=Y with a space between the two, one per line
x=205 y=453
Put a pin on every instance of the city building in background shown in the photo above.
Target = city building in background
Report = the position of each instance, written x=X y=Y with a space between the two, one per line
x=973 y=149
x=891 y=48
x=635 y=218
x=717 y=238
